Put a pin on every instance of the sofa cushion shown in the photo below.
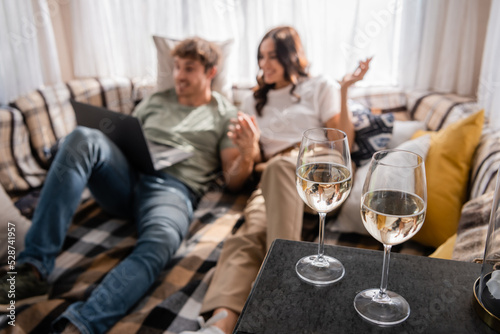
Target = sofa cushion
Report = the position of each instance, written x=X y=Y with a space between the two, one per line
x=373 y=133
x=49 y=116
x=439 y=110
x=117 y=94
x=445 y=251
x=19 y=170
x=165 y=79
x=472 y=228
x=113 y=93
x=485 y=164
x=447 y=171
x=86 y=91
x=403 y=131
x=143 y=87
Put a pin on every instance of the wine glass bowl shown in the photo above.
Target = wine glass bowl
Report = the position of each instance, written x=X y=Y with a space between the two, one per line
x=323 y=186
x=393 y=204
x=392 y=217
x=323 y=179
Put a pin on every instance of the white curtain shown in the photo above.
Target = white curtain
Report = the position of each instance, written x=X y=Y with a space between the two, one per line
x=489 y=83
x=114 y=37
x=28 y=57
x=442 y=45
x=417 y=44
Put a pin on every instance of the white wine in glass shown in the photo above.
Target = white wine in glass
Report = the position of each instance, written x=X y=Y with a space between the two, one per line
x=393 y=204
x=323 y=183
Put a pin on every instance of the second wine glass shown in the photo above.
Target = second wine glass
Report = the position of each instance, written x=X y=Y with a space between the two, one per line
x=323 y=182
x=393 y=204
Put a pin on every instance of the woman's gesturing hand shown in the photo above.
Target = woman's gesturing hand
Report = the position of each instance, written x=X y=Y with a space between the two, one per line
x=245 y=134
x=351 y=78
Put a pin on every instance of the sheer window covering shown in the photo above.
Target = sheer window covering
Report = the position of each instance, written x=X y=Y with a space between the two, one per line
x=335 y=34
x=418 y=44
x=489 y=83
x=28 y=57
x=442 y=44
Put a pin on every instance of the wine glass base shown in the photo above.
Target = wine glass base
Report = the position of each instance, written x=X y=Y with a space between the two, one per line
x=319 y=271
x=388 y=311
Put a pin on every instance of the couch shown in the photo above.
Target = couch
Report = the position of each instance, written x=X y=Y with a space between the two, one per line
x=96 y=241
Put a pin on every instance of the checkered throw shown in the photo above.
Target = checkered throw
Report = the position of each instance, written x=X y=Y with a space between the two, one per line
x=96 y=242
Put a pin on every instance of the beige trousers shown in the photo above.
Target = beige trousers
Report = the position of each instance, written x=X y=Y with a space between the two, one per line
x=274 y=210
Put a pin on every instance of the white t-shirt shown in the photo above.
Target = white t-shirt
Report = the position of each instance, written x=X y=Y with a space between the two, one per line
x=284 y=118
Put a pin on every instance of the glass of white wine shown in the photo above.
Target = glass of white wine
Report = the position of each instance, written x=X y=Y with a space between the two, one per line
x=323 y=183
x=393 y=205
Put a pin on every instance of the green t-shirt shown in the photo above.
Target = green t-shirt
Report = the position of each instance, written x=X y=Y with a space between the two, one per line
x=201 y=130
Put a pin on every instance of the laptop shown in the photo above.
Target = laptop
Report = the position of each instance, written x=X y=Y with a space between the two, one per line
x=126 y=132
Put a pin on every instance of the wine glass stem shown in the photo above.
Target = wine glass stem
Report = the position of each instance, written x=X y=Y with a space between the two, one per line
x=321 y=250
x=385 y=272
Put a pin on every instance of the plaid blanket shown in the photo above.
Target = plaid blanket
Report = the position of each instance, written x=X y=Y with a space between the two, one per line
x=96 y=242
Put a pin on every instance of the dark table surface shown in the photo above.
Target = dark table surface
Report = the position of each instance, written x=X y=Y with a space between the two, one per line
x=439 y=292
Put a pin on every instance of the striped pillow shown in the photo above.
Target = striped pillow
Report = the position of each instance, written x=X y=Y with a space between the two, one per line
x=49 y=116
x=485 y=164
x=112 y=93
x=86 y=91
x=142 y=87
x=438 y=110
x=472 y=228
x=117 y=94
x=19 y=171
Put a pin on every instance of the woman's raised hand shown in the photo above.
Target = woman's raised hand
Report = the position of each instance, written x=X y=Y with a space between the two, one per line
x=351 y=78
x=245 y=134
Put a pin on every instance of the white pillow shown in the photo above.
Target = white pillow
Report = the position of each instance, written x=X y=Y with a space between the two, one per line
x=165 y=78
x=402 y=131
x=349 y=217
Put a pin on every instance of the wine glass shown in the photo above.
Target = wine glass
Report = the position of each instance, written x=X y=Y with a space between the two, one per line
x=393 y=204
x=323 y=183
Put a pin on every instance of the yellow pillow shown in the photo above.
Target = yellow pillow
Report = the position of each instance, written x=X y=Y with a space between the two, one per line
x=447 y=168
x=445 y=251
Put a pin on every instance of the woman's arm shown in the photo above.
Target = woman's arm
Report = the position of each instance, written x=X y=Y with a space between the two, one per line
x=342 y=120
x=238 y=162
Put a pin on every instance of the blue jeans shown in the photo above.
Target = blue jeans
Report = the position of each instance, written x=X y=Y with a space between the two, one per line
x=160 y=205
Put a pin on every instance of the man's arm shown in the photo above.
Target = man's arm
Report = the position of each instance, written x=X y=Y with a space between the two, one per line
x=238 y=162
